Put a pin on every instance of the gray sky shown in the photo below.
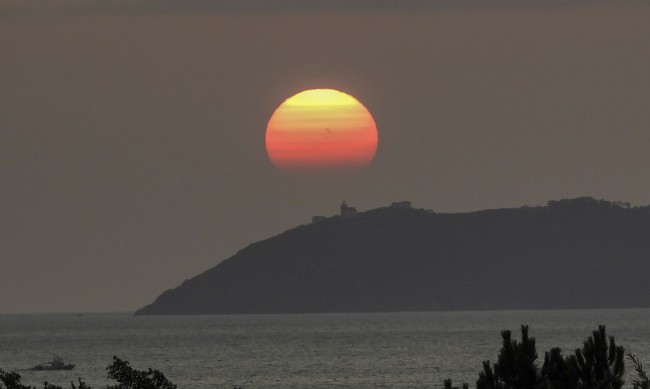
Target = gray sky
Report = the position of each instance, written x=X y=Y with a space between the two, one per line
x=132 y=132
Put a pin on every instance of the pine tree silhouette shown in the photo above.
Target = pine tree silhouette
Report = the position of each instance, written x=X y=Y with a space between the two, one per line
x=599 y=364
x=557 y=372
x=515 y=367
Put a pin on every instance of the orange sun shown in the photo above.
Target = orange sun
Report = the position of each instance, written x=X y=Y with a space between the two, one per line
x=321 y=130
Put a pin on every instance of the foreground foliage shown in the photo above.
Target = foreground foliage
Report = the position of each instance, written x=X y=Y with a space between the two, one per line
x=641 y=381
x=119 y=371
x=599 y=364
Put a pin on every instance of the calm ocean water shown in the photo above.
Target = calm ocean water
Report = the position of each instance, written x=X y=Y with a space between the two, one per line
x=373 y=350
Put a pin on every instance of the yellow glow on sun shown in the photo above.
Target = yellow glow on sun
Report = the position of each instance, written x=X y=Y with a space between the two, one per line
x=321 y=97
x=321 y=129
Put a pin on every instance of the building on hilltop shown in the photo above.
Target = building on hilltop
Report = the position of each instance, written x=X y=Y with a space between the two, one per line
x=346 y=211
x=401 y=205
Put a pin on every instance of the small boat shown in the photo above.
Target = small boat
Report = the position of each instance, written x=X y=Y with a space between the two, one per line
x=56 y=364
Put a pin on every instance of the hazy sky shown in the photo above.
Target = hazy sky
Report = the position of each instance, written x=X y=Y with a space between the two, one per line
x=132 y=132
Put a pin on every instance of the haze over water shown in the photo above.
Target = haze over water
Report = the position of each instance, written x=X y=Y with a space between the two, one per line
x=373 y=350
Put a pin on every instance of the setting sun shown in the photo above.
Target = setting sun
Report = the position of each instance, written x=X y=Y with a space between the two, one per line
x=321 y=129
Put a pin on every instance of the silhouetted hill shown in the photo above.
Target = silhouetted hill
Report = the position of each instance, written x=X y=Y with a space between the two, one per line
x=580 y=253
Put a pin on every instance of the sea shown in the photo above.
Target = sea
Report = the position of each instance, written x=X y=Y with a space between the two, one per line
x=352 y=350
